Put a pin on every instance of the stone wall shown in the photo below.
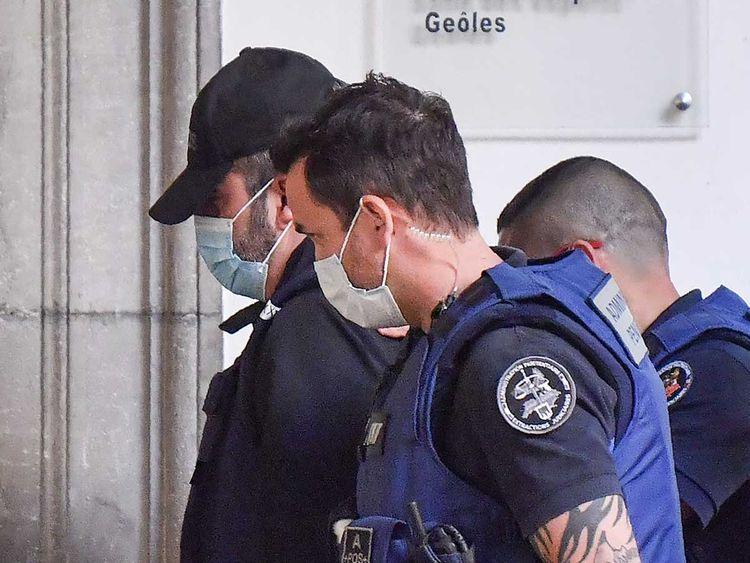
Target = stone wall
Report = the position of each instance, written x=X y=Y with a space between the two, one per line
x=107 y=320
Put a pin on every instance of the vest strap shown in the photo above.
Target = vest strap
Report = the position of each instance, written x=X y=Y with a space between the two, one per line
x=723 y=309
x=515 y=284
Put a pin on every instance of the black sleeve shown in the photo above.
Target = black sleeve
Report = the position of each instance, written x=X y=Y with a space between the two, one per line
x=545 y=451
x=710 y=424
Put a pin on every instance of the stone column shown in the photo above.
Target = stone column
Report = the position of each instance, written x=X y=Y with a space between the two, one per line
x=107 y=320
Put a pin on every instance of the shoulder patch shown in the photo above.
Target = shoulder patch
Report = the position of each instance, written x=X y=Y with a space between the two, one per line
x=611 y=305
x=677 y=378
x=536 y=395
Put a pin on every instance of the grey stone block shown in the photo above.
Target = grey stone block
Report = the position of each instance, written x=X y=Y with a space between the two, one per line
x=179 y=420
x=107 y=136
x=209 y=296
x=105 y=323
x=20 y=432
x=109 y=436
x=20 y=155
x=175 y=268
x=210 y=359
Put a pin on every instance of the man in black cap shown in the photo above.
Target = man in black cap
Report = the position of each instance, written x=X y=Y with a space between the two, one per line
x=278 y=449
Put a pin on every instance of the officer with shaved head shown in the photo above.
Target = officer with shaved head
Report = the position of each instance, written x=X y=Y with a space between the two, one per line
x=700 y=346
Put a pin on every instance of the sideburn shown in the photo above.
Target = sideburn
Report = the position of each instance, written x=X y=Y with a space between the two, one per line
x=256 y=242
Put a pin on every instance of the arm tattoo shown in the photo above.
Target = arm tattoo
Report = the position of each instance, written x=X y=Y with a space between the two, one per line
x=599 y=530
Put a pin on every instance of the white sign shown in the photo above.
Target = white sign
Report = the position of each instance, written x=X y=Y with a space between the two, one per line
x=552 y=67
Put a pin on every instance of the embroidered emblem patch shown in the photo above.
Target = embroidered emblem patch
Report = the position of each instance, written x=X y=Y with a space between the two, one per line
x=357 y=543
x=677 y=378
x=536 y=395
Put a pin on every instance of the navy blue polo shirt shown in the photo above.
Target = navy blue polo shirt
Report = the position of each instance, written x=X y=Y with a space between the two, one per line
x=548 y=474
x=278 y=451
x=708 y=392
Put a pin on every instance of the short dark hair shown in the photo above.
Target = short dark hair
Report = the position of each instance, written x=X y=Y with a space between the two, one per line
x=386 y=138
x=256 y=169
x=588 y=198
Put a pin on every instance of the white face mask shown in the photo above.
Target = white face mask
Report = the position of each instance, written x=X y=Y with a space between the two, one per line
x=216 y=247
x=369 y=308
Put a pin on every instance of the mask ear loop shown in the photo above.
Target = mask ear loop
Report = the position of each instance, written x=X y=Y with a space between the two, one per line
x=346 y=241
x=276 y=244
x=252 y=199
x=349 y=230
x=273 y=249
x=387 y=261
x=595 y=244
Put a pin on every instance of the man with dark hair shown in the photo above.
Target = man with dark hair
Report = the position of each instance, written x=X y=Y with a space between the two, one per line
x=278 y=449
x=518 y=415
x=700 y=347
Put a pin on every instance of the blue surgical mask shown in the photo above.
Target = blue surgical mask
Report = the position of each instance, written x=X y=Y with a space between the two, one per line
x=216 y=247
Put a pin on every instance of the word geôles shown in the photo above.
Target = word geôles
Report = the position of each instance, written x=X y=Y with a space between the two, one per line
x=465 y=23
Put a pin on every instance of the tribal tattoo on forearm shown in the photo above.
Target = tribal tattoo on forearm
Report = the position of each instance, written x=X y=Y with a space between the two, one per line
x=598 y=531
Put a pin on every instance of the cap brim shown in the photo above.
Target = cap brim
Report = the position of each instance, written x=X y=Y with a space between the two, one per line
x=189 y=190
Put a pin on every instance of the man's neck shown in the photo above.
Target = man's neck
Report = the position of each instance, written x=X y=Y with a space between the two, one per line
x=445 y=266
x=649 y=297
x=278 y=263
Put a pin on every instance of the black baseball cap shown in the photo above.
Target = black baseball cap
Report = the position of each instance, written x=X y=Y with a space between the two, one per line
x=240 y=112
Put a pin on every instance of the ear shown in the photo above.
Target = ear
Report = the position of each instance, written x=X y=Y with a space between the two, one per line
x=597 y=255
x=380 y=213
x=280 y=215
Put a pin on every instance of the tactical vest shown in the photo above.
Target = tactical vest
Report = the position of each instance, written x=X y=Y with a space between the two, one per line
x=569 y=297
x=722 y=314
